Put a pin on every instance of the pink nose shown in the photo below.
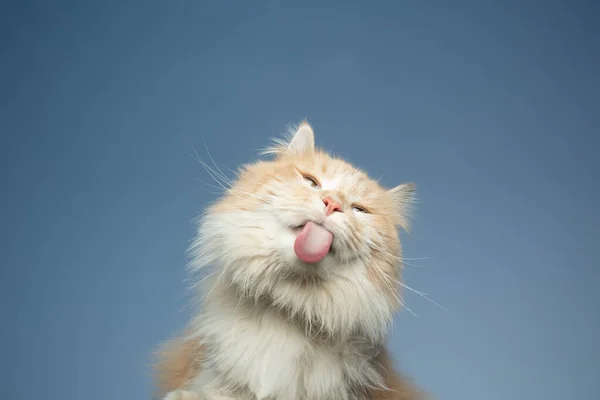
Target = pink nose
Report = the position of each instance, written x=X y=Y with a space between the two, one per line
x=332 y=205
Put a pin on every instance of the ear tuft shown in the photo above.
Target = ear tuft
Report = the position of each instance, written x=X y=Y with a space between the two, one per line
x=403 y=196
x=303 y=140
x=298 y=140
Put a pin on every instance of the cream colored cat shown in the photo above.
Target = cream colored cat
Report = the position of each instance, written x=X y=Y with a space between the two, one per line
x=306 y=268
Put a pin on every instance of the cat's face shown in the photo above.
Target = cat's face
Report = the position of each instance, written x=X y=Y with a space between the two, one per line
x=312 y=234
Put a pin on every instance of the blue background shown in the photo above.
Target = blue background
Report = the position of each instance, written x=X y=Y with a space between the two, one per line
x=491 y=108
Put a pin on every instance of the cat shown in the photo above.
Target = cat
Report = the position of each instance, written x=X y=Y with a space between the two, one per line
x=306 y=264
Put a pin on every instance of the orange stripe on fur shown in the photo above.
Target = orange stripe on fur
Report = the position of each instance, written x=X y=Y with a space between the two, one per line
x=401 y=388
x=178 y=362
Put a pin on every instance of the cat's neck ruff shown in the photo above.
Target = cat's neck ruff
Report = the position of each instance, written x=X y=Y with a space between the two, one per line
x=347 y=306
x=242 y=339
x=226 y=298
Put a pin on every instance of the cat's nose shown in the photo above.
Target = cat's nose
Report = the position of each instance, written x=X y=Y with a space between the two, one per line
x=331 y=205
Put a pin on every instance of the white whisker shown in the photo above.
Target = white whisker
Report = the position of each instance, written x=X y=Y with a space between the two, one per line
x=425 y=296
x=408 y=309
x=213 y=174
x=214 y=163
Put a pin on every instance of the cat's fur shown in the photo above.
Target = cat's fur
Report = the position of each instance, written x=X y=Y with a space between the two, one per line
x=273 y=327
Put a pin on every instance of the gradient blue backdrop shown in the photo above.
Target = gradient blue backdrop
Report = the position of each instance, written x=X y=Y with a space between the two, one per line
x=490 y=107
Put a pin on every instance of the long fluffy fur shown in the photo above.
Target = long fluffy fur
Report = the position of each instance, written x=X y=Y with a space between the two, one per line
x=272 y=327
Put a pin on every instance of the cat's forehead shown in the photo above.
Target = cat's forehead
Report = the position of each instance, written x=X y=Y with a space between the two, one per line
x=338 y=174
x=333 y=168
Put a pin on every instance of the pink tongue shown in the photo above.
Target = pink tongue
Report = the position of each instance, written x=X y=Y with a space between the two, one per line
x=312 y=243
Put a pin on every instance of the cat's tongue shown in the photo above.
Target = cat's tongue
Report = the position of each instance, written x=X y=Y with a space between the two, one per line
x=312 y=243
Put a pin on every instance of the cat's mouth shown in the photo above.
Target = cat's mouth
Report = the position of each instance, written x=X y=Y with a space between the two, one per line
x=296 y=229
x=313 y=242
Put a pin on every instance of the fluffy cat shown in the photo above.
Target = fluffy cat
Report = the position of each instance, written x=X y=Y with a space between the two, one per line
x=306 y=263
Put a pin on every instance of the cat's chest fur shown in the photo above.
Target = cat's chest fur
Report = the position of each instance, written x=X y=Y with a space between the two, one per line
x=267 y=357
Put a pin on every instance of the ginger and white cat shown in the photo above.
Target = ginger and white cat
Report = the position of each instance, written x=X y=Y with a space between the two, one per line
x=306 y=265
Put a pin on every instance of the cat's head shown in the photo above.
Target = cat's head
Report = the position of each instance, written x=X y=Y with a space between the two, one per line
x=311 y=235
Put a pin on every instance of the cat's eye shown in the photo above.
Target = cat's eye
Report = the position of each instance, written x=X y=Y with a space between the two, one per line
x=311 y=181
x=359 y=209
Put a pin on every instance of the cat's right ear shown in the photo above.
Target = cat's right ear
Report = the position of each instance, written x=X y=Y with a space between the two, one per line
x=303 y=140
x=403 y=196
x=298 y=141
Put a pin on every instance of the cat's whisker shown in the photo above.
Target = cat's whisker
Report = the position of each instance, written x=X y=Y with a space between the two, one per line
x=422 y=294
x=218 y=172
x=231 y=190
x=224 y=182
x=386 y=252
x=388 y=281
x=221 y=181
x=406 y=260
x=403 y=261
x=244 y=195
x=399 y=259
x=223 y=175
x=209 y=185
x=425 y=296
x=403 y=304
x=258 y=183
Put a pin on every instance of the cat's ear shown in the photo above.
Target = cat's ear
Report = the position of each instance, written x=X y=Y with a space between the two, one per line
x=403 y=197
x=303 y=140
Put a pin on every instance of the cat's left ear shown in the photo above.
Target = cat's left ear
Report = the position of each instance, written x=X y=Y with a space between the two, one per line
x=403 y=197
x=303 y=140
